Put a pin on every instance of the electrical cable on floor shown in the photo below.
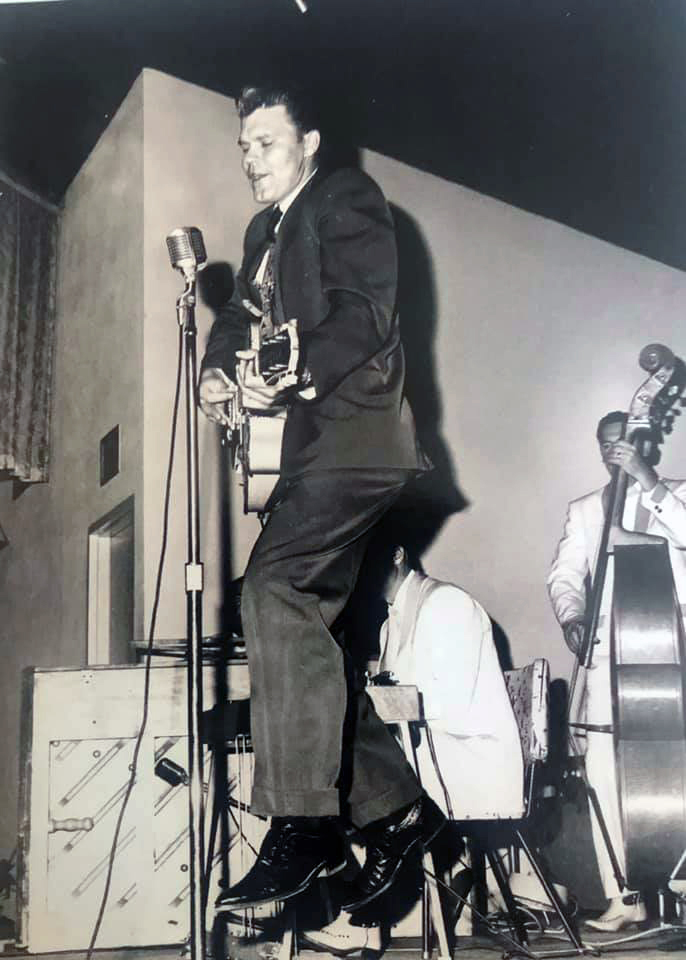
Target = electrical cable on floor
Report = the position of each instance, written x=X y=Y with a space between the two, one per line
x=520 y=948
x=148 y=651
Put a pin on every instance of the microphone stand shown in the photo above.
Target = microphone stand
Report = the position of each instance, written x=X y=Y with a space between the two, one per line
x=185 y=310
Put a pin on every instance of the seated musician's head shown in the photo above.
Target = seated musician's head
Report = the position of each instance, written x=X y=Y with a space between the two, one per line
x=279 y=139
x=611 y=428
x=389 y=559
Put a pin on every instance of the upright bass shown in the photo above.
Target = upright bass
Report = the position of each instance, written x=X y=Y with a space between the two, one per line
x=647 y=654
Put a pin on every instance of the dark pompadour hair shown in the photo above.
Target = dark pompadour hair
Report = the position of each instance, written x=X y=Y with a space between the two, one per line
x=299 y=103
x=615 y=416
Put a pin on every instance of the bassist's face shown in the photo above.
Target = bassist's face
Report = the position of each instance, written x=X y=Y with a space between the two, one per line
x=612 y=432
x=609 y=435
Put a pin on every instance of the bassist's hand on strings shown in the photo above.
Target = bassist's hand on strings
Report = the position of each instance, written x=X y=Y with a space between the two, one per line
x=214 y=390
x=574 y=635
x=623 y=454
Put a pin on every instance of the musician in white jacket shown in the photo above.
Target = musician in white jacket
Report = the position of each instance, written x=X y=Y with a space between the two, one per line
x=656 y=506
x=439 y=638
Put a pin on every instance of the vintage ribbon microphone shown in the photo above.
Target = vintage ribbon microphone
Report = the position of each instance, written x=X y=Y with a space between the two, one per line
x=187 y=254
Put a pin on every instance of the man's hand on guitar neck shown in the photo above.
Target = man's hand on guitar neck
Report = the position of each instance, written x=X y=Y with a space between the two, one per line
x=574 y=635
x=214 y=390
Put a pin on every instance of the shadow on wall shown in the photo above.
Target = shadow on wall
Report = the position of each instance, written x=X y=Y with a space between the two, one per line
x=434 y=497
x=215 y=284
x=502 y=645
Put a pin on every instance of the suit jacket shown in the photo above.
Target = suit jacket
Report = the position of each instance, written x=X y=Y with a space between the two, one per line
x=575 y=558
x=335 y=271
x=439 y=639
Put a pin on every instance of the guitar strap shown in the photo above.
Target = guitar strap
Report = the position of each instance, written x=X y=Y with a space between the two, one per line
x=267 y=281
x=267 y=294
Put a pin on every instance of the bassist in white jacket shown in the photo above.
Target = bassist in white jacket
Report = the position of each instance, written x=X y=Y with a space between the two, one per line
x=653 y=505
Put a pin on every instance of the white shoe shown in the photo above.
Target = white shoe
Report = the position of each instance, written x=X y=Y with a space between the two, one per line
x=621 y=913
x=342 y=938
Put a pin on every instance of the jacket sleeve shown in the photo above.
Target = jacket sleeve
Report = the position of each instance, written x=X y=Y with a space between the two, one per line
x=358 y=275
x=569 y=571
x=667 y=503
x=231 y=328
x=230 y=332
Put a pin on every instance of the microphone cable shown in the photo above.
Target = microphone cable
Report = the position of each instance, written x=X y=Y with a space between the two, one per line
x=148 y=651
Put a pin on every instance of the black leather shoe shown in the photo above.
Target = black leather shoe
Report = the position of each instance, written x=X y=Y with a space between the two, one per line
x=294 y=851
x=388 y=842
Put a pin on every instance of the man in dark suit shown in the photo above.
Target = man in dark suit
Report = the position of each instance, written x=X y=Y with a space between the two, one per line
x=348 y=450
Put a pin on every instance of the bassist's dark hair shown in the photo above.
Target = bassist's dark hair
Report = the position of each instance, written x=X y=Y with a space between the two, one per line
x=615 y=416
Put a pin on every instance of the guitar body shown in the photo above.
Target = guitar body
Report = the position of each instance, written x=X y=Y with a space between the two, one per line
x=258 y=458
x=255 y=436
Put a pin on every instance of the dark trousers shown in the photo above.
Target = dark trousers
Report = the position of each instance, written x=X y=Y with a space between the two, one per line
x=300 y=575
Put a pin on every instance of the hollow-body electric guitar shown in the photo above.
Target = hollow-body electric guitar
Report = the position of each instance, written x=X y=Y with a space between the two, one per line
x=255 y=436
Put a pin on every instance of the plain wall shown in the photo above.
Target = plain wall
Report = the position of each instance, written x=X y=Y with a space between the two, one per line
x=100 y=355
x=538 y=329
x=192 y=178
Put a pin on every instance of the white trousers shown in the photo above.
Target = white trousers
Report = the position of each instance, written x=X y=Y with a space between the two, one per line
x=601 y=773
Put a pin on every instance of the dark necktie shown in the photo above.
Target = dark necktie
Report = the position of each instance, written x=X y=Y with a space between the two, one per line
x=268 y=283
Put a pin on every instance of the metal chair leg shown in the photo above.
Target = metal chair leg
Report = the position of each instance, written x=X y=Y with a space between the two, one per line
x=436 y=912
x=551 y=892
x=506 y=893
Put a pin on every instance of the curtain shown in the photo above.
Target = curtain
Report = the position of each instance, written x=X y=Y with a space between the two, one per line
x=28 y=274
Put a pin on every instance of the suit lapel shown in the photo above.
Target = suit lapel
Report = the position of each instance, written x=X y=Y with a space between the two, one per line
x=285 y=238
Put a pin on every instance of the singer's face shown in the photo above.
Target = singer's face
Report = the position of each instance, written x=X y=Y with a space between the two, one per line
x=275 y=157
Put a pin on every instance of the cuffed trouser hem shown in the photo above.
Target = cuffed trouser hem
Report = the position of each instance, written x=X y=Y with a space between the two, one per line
x=313 y=803
x=384 y=804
